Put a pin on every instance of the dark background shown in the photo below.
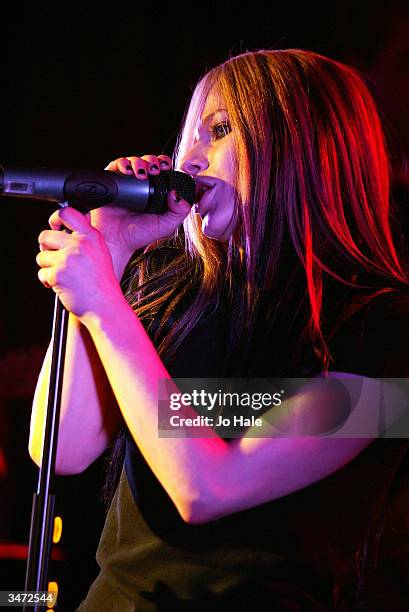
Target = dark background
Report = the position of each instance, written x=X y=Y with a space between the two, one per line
x=82 y=86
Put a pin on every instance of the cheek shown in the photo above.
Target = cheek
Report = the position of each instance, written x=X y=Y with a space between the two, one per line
x=231 y=169
x=223 y=163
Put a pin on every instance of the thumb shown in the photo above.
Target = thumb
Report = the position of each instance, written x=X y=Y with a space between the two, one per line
x=177 y=206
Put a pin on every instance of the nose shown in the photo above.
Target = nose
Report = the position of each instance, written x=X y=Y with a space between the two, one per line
x=195 y=161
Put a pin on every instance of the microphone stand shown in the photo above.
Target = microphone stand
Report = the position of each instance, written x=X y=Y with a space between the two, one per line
x=89 y=189
x=42 y=516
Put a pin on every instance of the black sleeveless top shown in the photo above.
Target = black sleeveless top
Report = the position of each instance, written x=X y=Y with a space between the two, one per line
x=282 y=555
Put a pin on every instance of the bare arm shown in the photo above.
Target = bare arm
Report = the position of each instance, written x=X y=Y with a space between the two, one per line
x=206 y=477
x=89 y=416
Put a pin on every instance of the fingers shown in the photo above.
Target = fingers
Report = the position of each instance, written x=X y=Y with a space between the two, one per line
x=46 y=259
x=72 y=219
x=142 y=166
x=50 y=240
x=155 y=164
x=112 y=166
x=44 y=276
x=177 y=207
x=165 y=162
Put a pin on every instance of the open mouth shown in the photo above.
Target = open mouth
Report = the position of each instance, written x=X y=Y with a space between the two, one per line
x=201 y=189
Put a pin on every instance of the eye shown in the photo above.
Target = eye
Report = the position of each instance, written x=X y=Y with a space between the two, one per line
x=220 y=130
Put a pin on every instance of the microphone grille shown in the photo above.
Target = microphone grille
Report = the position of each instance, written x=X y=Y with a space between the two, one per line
x=166 y=181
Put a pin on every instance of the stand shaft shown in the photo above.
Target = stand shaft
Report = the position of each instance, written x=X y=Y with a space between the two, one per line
x=42 y=517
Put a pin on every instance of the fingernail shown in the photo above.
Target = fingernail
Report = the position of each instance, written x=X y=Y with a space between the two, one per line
x=154 y=167
x=164 y=164
x=141 y=171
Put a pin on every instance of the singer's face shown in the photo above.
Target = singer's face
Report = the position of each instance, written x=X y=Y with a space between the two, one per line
x=212 y=163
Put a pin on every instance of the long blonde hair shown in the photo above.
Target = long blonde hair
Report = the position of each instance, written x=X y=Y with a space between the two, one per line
x=313 y=212
x=313 y=195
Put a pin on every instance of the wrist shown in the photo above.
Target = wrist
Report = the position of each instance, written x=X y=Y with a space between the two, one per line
x=109 y=310
x=120 y=260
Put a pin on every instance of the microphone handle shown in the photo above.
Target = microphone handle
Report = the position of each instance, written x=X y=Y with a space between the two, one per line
x=83 y=189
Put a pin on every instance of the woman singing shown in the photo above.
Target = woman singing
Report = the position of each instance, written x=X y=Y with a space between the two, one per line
x=285 y=267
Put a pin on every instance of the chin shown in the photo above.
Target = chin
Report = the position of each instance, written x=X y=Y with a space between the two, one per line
x=220 y=237
x=218 y=227
x=223 y=234
x=212 y=234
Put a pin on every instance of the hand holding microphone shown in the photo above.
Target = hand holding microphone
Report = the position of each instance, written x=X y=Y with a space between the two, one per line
x=81 y=267
x=144 y=185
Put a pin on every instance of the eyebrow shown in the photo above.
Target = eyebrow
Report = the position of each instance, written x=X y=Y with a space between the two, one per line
x=211 y=115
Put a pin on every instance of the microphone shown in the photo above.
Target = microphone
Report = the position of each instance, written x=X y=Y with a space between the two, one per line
x=88 y=189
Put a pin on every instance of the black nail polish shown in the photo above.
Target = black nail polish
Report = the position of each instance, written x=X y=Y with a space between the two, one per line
x=141 y=171
x=154 y=167
x=129 y=167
